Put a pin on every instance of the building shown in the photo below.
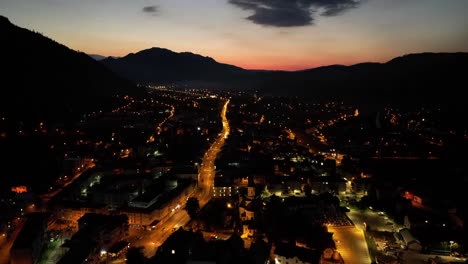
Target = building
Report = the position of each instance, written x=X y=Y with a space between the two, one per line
x=142 y=197
x=185 y=172
x=247 y=209
x=181 y=246
x=327 y=184
x=408 y=240
x=222 y=187
x=189 y=247
x=96 y=233
x=251 y=189
x=331 y=256
x=163 y=206
x=423 y=219
x=259 y=252
x=249 y=228
x=29 y=242
x=285 y=253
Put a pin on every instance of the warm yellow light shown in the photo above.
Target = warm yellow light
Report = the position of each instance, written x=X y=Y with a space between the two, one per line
x=356 y=112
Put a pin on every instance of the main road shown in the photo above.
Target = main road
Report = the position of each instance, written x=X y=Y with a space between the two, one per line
x=151 y=240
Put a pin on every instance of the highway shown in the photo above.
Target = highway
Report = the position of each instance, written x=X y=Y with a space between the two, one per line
x=152 y=239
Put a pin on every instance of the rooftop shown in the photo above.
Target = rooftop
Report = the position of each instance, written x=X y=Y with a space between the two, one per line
x=290 y=251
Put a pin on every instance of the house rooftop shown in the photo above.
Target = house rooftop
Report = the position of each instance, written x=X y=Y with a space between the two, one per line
x=303 y=254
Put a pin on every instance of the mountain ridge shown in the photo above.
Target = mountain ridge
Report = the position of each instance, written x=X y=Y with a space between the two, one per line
x=383 y=82
x=49 y=80
x=97 y=57
x=163 y=65
x=404 y=79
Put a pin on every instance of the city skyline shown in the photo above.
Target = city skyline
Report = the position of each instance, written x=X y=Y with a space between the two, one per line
x=253 y=34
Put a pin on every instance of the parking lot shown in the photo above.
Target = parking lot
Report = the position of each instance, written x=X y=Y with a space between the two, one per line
x=378 y=221
x=351 y=244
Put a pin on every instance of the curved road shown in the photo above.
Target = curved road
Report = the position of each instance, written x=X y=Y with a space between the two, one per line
x=151 y=240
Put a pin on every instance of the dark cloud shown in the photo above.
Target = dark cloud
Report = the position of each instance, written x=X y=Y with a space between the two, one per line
x=150 y=9
x=292 y=13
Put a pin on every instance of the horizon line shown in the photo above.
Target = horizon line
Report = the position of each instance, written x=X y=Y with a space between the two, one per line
x=283 y=70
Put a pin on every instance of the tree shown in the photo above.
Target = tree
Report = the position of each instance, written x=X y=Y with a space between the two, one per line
x=192 y=207
x=135 y=255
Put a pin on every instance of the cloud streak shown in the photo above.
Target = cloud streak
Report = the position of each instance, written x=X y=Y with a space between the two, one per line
x=150 y=9
x=292 y=13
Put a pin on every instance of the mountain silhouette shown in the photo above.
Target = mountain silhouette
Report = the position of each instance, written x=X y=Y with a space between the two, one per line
x=425 y=78
x=43 y=79
x=162 y=65
x=97 y=57
x=403 y=80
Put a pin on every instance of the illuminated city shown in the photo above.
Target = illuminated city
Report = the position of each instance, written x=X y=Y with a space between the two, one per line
x=319 y=132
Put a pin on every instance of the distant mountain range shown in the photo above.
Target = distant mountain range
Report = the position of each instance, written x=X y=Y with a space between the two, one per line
x=425 y=78
x=97 y=57
x=50 y=79
x=157 y=65
x=403 y=80
x=100 y=57
x=44 y=79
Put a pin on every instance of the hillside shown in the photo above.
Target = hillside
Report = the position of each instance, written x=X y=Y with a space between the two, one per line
x=43 y=79
x=425 y=78
x=162 y=65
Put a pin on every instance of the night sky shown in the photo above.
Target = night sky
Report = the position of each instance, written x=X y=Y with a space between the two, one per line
x=254 y=34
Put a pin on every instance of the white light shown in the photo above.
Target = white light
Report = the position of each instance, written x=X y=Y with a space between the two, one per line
x=173 y=252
